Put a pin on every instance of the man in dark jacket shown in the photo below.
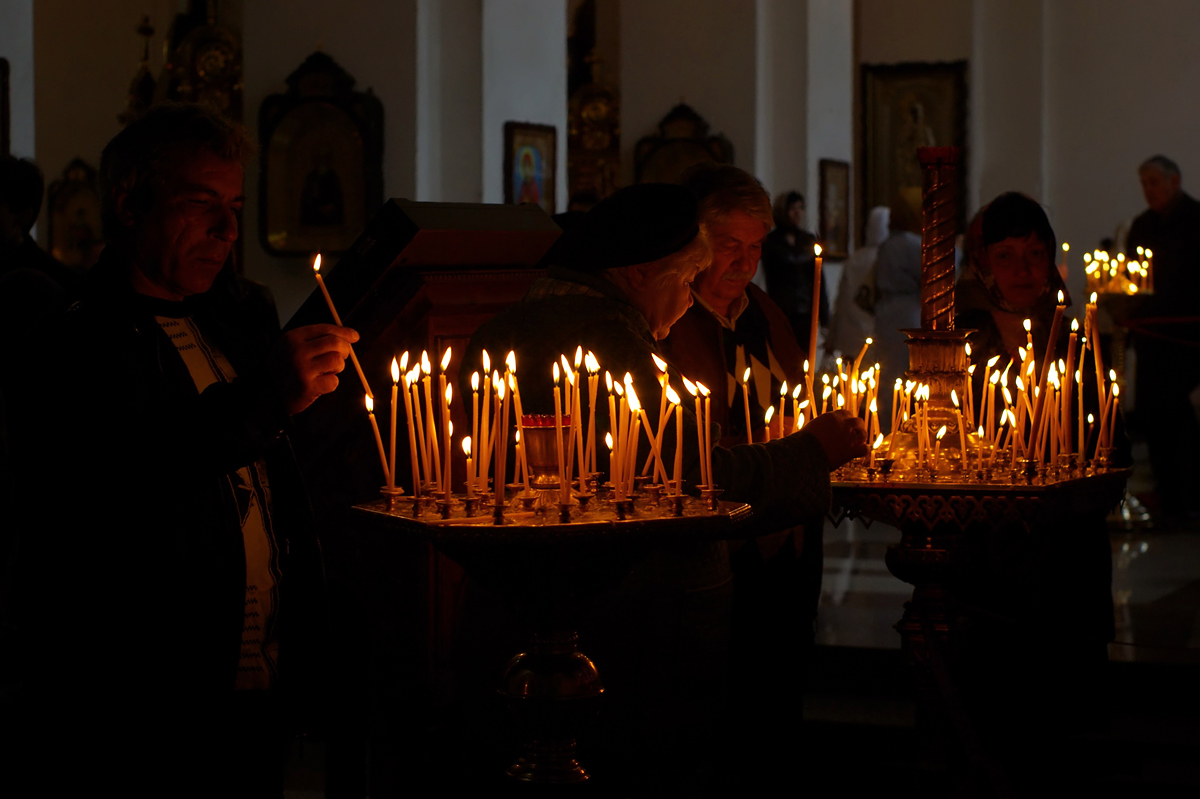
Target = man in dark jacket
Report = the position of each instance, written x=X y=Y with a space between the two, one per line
x=1168 y=336
x=168 y=567
x=789 y=260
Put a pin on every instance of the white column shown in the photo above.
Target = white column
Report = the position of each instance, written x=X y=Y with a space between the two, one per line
x=16 y=45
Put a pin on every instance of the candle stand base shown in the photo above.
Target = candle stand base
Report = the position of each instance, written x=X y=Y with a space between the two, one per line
x=624 y=508
x=676 y=504
x=653 y=492
x=471 y=506
x=584 y=498
x=391 y=496
x=709 y=495
x=564 y=513
x=528 y=500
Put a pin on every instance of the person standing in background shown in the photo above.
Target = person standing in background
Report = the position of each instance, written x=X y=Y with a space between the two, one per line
x=1167 y=335
x=788 y=262
x=854 y=312
x=898 y=291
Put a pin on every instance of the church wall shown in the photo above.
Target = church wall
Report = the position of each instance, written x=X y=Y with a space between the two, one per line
x=16 y=45
x=700 y=51
x=781 y=112
x=373 y=40
x=84 y=55
x=1121 y=87
x=524 y=80
x=830 y=93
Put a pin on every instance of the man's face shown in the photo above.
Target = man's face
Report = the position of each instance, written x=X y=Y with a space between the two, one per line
x=668 y=300
x=1159 y=188
x=737 y=247
x=795 y=214
x=184 y=238
x=1021 y=267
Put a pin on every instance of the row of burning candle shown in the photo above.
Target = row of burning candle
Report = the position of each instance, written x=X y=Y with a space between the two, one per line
x=1116 y=275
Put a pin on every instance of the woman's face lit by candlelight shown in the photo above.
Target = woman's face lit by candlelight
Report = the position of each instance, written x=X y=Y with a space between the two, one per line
x=1021 y=267
x=662 y=289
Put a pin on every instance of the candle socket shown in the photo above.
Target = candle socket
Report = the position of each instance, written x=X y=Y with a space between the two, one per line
x=1028 y=469
x=654 y=492
x=624 y=508
x=443 y=506
x=564 y=513
x=391 y=497
x=471 y=506
x=528 y=501
x=885 y=467
x=709 y=495
x=1103 y=460
x=676 y=504
x=639 y=484
x=871 y=470
x=584 y=497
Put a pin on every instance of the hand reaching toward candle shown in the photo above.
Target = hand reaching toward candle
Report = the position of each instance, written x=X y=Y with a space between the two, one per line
x=306 y=363
x=841 y=434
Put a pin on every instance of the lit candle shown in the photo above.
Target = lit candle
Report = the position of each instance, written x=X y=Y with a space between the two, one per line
x=635 y=427
x=466 y=445
x=767 y=422
x=1068 y=385
x=434 y=453
x=808 y=385
x=484 y=444
x=746 y=403
x=593 y=370
x=937 y=447
x=558 y=438
x=337 y=320
x=447 y=431
x=391 y=468
x=471 y=479
x=412 y=433
x=673 y=399
x=522 y=455
x=706 y=453
x=816 y=307
x=378 y=440
x=1039 y=406
x=501 y=432
x=690 y=387
x=970 y=394
x=962 y=430
x=612 y=424
x=1116 y=403
x=796 y=407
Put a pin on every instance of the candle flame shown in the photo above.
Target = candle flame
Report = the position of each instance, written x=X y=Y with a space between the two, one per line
x=659 y=362
x=800 y=421
x=1020 y=385
x=1087 y=257
x=870 y=340
x=995 y=378
x=499 y=388
x=1079 y=376
x=517 y=436
x=804 y=404
x=474 y=381
x=1091 y=419
x=1149 y=253
x=1007 y=395
x=608 y=381
x=495 y=377
x=1093 y=298
x=449 y=393
x=617 y=388
x=825 y=379
x=953 y=397
x=817 y=250
x=608 y=440
x=689 y=386
x=511 y=361
x=446 y=359
x=425 y=368
x=967 y=349
x=796 y=391
x=578 y=356
x=1074 y=325
x=566 y=365
x=980 y=432
x=899 y=384
x=783 y=389
x=1062 y=367
x=628 y=381
x=841 y=401
x=571 y=378
x=634 y=403
x=702 y=389
x=512 y=382
x=746 y=375
x=487 y=362
x=1116 y=390
x=395 y=371
x=1112 y=375
x=557 y=374
x=593 y=365
x=970 y=370
x=1004 y=374
x=941 y=432
x=874 y=407
x=1028 y=325
x=878 y=442
x=1066 y=247
x=317 y=263
x=995 y=358
x=467 y=446
x=672 y=396
x=450 y=428
x=825 y=394
x=404 y=362
x=806 y=365
x=370 y=404
x=769 y=414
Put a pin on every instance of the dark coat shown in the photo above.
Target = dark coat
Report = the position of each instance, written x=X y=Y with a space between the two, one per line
x=131 y=564
x=789 y=269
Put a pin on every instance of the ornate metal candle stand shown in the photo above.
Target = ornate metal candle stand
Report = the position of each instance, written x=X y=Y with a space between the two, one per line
x=551 y=570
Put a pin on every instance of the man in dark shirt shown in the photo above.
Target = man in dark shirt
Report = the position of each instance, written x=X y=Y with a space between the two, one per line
x=169 y=572
x=1167 y=335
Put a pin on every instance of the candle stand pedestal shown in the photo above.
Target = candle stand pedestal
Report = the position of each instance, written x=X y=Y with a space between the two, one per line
x=551 y=570
x=949 y=536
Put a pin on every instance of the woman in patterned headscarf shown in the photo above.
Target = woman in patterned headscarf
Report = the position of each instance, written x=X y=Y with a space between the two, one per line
x=1011 y=277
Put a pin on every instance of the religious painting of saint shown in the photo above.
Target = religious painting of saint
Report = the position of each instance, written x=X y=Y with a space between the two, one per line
x=834 y=228
x=73 y=206
x=322 y=171
x=906 y=106
x=529 y=164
